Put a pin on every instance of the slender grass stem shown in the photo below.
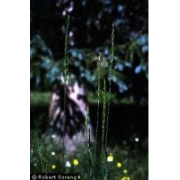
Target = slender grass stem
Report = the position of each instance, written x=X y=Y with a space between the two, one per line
x=65 y=85
x=110 y=75
x=43 y=161
x=103 y=146
x=98 y=94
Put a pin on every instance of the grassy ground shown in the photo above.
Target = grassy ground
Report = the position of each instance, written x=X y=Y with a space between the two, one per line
x=126 y=161
x=121 y=162
x=43 y=98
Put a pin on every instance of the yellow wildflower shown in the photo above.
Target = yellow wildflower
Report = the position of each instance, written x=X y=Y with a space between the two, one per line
x=75 y=162
x=125 y=171
x=119 y=165
x=53 y=166
x=110 y=158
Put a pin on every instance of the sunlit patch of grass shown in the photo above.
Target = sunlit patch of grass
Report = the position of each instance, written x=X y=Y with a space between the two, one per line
x=39 y=98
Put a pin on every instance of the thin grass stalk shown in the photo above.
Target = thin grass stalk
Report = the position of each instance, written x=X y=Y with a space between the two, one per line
x=103 y=145
x=65 y=84
x=98 y=95
x=110 y=75
x=43 y=161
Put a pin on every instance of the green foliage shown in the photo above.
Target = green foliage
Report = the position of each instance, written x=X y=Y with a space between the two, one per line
x=44 y=70
x=130 y=77
x=89 y=35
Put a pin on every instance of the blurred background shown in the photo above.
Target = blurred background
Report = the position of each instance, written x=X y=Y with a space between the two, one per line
x=90 y=34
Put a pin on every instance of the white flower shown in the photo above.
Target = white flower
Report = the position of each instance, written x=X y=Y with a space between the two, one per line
x=68 y=164
x=53 y=136
x=110 y=158
x=136 y=139
x=53 y=153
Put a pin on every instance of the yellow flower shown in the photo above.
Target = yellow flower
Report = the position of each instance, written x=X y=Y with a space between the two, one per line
x=75 y=162
x=126 y=178
x=53 y=166
x=119 y=165
x=110 y=158
x=125 y=171
x=123 y=178
x=79 y=177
